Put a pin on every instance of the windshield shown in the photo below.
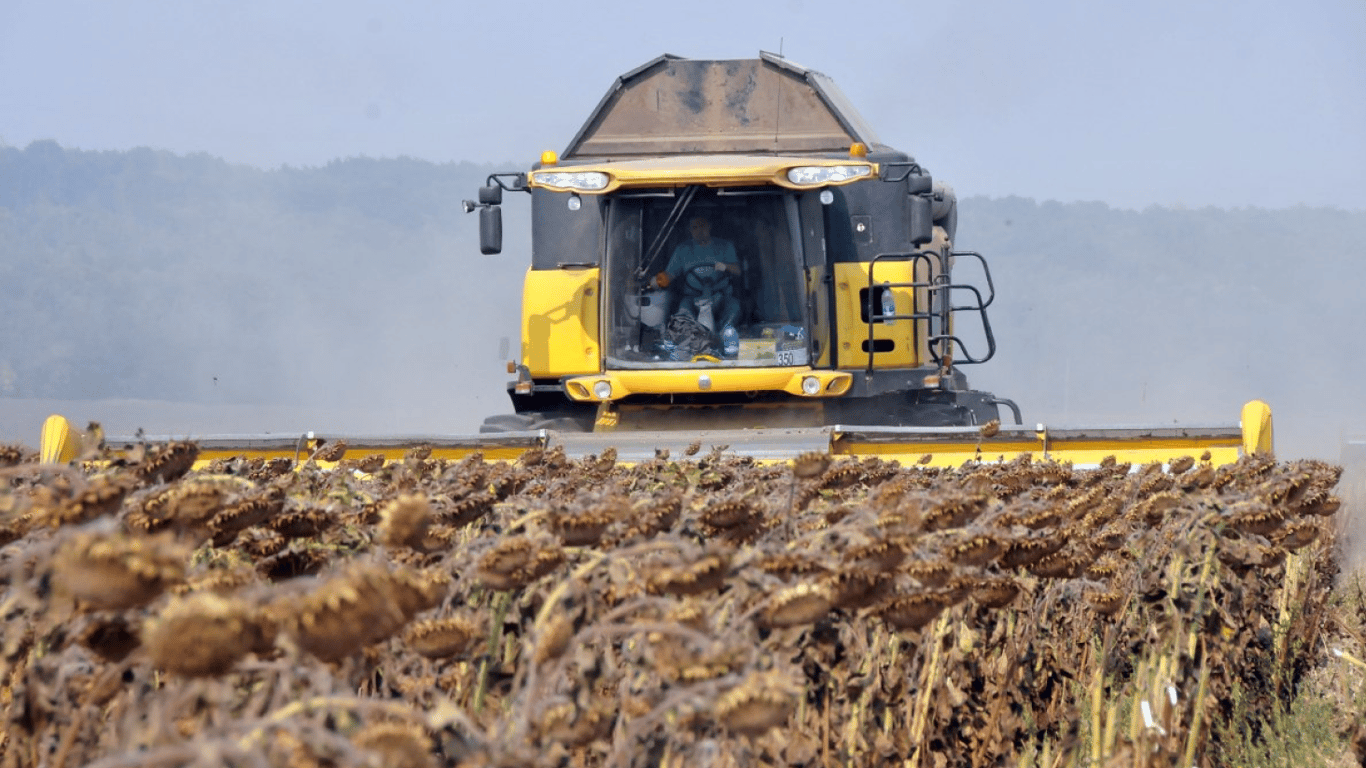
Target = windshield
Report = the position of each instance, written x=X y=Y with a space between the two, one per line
x=701 y=278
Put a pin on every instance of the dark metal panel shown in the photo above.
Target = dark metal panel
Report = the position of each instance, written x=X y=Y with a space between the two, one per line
x=881 y=207
x=688 y=106
x=601 y=110
x=560 y=236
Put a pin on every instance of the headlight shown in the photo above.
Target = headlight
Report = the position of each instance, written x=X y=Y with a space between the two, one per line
x=602 y=390
x=811 y=175
x=587 y=180
x=811 y=385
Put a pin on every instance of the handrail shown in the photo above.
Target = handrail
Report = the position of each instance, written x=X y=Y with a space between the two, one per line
x=941 y=291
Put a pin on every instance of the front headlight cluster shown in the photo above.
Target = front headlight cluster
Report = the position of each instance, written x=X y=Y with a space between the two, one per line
x=812 y=175
x=585 y=180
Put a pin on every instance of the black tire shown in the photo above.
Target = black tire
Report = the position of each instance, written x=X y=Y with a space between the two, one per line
x=564 y=422
x=507 y=422
x=531 y=421
x=922 y=408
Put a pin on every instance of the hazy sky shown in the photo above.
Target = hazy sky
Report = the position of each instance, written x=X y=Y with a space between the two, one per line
x=1172 y=102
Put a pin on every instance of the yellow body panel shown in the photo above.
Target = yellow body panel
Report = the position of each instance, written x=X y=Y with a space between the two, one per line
x=1256 y=423
x=850 y=280
x=698 y=380
x=560 y=322
x=61 y=442
x=208 y=455
x=711 y=170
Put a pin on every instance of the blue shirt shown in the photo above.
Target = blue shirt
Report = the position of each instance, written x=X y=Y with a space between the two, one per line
x=692 y=253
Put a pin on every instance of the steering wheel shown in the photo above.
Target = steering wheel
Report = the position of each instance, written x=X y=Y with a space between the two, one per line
x=707 y=274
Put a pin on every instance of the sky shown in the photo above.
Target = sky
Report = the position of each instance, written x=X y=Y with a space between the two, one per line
x=1172 y=103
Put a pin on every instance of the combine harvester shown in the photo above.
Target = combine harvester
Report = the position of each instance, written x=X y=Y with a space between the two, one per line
x=725 y=254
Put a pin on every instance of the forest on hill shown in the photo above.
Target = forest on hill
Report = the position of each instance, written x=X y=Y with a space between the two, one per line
x=142 y=274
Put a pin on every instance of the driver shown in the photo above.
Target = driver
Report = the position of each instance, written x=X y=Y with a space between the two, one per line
x=704 y=264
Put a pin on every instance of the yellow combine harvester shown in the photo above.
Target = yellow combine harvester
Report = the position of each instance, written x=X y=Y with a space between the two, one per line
x=725 y=254
x=728 y=244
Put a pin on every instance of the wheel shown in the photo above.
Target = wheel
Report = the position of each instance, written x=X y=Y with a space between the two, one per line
x=921 y=408
x=707 y=274
x=531 y=421
x=507 y=422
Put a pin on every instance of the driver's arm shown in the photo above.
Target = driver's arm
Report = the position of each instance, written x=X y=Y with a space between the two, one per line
x=729 y=262
x=673 y=269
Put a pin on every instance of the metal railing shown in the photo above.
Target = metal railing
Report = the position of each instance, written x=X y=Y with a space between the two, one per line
x=937 y=318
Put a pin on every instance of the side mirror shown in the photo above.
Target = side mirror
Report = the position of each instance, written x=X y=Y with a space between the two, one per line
x=491 y=226
x=921 y=219
x=491 y=195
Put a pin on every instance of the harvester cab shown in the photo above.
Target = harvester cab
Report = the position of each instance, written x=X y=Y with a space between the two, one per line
x=728 y=244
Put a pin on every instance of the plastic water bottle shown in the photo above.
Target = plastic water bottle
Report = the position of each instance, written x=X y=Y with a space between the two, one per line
x=888 y=306
x=730 y=341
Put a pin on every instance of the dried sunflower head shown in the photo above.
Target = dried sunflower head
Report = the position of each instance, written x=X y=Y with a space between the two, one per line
x=166 y=463
x=881 y=554
x=1106 y=602
x=812 y=464
x=929 y=573
x=108 y=570
x=553 y=637
x=444 y=637
x=803 y=603
x=361 y=604
x=1180 y=464
x=1022 y=553
x=516 y=561
x=204 y=634
x=403 y=522
x=858 y=587
x=103 y=495
x=728 y=513
x=689 y=576
x=561 y=721
x=222 y=581
x=976 y=550
x=761 y=702
x=995 y=592
x=245 y=512
x=1296 y=534
x=1254 y=517
x=398 y=745
x=911 y=611
x=585 y=524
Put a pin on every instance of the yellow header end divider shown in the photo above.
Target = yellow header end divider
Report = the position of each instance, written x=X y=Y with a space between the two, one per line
x=944 y=446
